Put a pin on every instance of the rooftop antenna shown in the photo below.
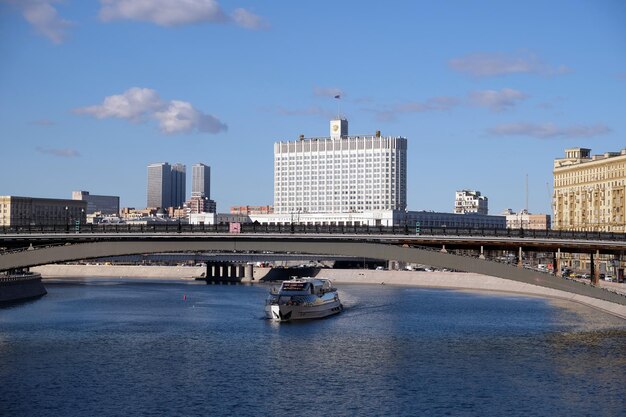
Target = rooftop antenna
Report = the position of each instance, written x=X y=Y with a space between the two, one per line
x=526 y=193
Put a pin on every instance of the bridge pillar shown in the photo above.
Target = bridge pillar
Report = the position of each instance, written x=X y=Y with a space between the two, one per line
x=595 y=264
x=520 y=261
x=249 y=272
x=482 y=252
x=556 y=263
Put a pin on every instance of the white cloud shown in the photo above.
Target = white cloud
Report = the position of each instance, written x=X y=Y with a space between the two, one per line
x=494 y=100
x=177 y=13
x=487 y=64
x=44 y=18
x=181 y=117
x=249 y=20
x=548 y=130
x=63 y=152
x=134 y=104
x=140 y=104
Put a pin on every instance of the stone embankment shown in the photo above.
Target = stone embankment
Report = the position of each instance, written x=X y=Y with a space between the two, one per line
x=120 y=271
x=20 y=287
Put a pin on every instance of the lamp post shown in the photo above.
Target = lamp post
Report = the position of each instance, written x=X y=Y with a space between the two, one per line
x=67 y=219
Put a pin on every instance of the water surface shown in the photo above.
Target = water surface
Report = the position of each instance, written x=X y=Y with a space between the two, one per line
x=111 y=348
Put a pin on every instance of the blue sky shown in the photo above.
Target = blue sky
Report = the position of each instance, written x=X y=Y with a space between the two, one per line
x=487 y=92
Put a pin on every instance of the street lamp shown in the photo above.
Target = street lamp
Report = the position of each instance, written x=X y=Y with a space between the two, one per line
x=67 y=219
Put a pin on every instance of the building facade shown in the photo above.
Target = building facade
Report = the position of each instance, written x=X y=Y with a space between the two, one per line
x=469 y=201
x=30 y=211
x=245 y=210
x=201 y=180
x=590 y=191
x=526 y=220
x=159 y=185
x=166 y=185
x=104 y=204
x=179 y=183
x=340 y=173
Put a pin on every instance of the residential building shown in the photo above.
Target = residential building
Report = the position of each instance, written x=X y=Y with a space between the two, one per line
x=245 y=210
x=526 y=220
x=590 y=191
x=469 y=201
x=104 y=204
x=32 y=211
x=200 y=204
x=340 y=173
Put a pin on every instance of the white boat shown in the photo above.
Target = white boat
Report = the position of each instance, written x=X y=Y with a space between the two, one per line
x=303 y=298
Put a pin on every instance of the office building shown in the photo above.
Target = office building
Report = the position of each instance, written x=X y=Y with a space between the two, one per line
x=159 y=185
x=103 y=204
x=166 y=185
x=590 y=191
x=340 y=173
x=201 y=181
x=179 y=182
x=468 y=201
x=31 y=211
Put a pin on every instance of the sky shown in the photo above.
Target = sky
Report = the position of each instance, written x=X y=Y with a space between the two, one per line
x=488 y=93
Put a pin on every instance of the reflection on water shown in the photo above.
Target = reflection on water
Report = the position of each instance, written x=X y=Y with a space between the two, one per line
x=178 y=349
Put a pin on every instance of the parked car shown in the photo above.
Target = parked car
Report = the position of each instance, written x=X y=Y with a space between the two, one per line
x=608 y=278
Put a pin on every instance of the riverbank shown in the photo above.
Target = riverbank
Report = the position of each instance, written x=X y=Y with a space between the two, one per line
x=447 y=280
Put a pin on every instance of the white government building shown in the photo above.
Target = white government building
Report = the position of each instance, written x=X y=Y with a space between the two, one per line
x=339 y=180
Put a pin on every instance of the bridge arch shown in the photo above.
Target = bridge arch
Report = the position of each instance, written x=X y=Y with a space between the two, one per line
x=404 y=253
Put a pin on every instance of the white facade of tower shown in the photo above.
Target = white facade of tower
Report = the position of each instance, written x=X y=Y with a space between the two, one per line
x=340 y=173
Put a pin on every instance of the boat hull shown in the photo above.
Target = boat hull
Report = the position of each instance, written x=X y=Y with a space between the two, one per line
x=291 y=312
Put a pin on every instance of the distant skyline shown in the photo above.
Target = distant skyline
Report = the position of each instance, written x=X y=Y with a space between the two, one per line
x=487 y=93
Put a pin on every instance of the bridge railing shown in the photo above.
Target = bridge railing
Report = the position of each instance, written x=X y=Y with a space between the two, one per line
x=172 y=227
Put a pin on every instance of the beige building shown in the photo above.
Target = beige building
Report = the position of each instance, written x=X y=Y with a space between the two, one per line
x=526 y=220
x=29 y=211
x=470 y=201
x=590 y=191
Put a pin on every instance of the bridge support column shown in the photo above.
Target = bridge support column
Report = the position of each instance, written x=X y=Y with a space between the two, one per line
x=249 y=272
x=520 y=260
x=482 y=252
x=595 y=264
x=556 y=263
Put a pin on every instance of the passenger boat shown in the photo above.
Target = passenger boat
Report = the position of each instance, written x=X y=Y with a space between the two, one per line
x=303 y=298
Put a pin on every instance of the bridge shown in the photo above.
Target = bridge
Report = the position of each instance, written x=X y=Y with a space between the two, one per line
x=26 y=248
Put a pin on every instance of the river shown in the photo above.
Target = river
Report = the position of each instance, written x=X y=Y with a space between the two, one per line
x=109 y=348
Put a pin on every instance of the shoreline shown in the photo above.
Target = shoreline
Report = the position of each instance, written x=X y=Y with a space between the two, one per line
x=458 y=281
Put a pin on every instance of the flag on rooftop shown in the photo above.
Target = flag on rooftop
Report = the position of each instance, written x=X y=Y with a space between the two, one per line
x=338 y=96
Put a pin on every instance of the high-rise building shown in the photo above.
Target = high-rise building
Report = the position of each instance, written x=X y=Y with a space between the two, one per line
x=159 y=185
x=166 y=185
x=340 y=173
x=105 y=204
x=590 y=191
x=469 y=201
x=201 y=181
x=179 y=182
